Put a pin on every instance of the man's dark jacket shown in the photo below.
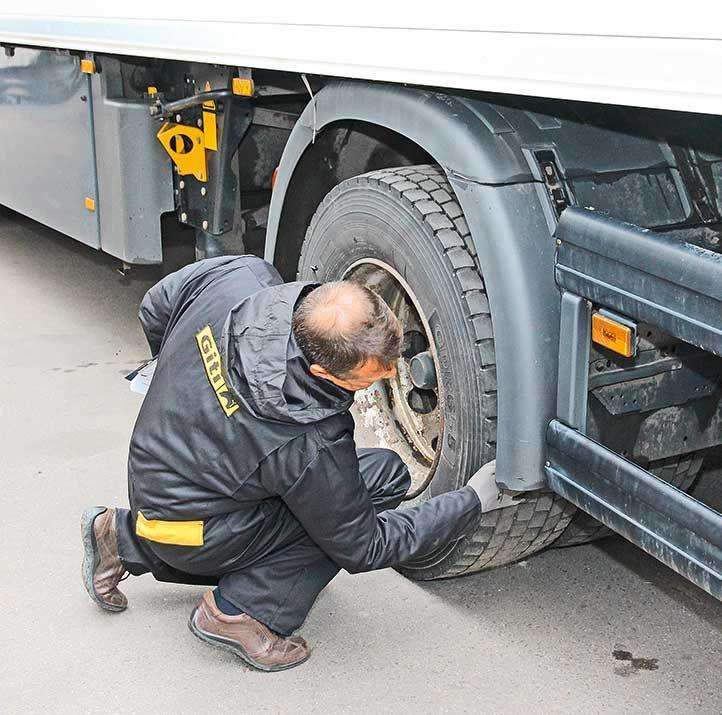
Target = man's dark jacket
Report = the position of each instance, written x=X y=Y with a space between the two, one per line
x=231 y=442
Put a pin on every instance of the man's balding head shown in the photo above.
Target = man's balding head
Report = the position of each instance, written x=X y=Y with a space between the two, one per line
x=342 y=326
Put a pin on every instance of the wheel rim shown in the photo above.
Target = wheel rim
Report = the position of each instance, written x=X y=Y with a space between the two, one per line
x=404 y=413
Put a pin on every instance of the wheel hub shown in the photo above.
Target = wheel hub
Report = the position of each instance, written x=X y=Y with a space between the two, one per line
x=403 y=413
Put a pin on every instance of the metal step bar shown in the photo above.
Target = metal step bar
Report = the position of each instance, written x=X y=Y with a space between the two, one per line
x=664 y=282
x=667 y=523
x=649 y=276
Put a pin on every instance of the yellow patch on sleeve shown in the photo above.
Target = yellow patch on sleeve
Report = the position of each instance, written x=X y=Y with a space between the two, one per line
x=211 y=358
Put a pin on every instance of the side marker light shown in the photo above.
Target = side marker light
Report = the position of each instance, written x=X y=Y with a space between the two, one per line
x=614 y=333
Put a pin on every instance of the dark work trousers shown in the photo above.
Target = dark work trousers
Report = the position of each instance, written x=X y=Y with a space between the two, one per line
x=276 y=578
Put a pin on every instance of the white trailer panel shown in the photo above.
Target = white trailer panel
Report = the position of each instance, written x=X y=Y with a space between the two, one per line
x=631 y=53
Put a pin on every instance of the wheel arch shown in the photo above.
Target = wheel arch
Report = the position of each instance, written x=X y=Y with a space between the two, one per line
x=509 y=226
x=342 y=149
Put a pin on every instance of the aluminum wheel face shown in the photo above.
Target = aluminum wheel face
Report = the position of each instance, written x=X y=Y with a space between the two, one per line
x=403 y=414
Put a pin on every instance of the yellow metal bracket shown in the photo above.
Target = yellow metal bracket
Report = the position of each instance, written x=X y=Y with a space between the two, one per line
x=210 y=128
x=186 y=147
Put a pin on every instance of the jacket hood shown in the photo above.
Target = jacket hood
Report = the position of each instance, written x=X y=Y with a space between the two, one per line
x=266 y=369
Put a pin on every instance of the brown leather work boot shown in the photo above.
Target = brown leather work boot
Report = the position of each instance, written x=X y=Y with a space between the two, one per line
x=250 y=640
x=102 y=567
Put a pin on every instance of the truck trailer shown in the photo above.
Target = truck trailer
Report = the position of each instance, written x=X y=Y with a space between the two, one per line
x=537 y=196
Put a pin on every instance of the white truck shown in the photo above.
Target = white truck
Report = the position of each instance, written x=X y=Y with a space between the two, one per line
x=536 y=192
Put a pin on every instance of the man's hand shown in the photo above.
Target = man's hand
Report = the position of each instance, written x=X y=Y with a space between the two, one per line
x=483 y=482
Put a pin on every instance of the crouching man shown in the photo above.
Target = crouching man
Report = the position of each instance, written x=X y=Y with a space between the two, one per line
x=243 y=473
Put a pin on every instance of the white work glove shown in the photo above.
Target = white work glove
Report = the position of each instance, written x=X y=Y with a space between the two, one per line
x=483 y=482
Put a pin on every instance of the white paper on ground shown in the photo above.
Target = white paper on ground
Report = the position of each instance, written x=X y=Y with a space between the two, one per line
x=140 y=378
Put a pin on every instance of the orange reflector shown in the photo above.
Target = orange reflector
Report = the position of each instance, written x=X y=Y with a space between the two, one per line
x=613 y=335
x=274 y=176
x=242 y=87
x=89 y=203
x=87 y=66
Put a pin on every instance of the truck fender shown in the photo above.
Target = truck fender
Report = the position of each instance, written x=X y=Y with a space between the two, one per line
x=510 y=229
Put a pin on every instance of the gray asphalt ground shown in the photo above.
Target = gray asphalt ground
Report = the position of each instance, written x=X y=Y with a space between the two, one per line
x=535 y=637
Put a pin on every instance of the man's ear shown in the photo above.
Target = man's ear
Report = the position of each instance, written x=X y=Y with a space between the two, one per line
x=317 y=371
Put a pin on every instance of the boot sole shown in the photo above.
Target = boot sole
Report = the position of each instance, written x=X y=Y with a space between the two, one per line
x=235 y=648
x=91 y=558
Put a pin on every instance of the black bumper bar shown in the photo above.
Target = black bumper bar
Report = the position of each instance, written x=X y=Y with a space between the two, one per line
x=668 y=524
x=652 y=277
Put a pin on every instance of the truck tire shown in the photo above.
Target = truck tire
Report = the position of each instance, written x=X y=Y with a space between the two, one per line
x=678 y=471
x=401 y=232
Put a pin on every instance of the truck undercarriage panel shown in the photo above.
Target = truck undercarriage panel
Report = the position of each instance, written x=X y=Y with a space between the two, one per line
x=48 y=168
x=80 y=157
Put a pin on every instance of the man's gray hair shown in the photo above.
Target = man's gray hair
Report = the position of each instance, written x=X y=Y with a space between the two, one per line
x=342 y=324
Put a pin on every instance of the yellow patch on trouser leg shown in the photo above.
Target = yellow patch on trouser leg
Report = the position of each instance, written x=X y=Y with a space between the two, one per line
x=180 y=533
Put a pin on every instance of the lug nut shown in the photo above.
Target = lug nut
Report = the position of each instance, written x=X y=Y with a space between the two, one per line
x=182 y=184
x=205 y=225
x=423 y=371
x=423 y=402
x=184 y=217
x=203 y=190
